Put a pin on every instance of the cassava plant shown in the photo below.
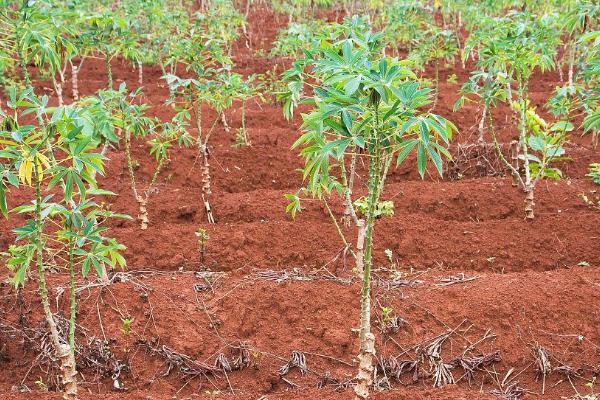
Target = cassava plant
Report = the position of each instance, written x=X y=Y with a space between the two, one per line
x=434 y=45
x=129 y=116
x=404 y=21
x=367 y=106
x=489 y=88
x=111 y=37
x=511 y=48
x=31 y=36
x=244 y=90
x=57 y=152
x=581 y=97
x=577 y=19
x=208 y=61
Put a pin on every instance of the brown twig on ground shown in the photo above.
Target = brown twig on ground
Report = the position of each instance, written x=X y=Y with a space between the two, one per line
x=298 y=275
x=454 y=279
x=390 y=284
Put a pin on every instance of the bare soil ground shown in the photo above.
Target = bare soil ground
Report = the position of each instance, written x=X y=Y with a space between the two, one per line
x=270 y=286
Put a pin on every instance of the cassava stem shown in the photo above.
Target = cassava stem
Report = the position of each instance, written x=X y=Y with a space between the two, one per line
x=63 y=350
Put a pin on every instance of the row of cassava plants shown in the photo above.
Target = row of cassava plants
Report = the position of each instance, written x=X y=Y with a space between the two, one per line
x=57 y=158
x=61 y=153
x=52 y=36
x=364 y=106
x=206 y=53
x=509 y=50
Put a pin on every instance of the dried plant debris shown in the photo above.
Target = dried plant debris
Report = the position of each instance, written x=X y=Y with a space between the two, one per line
x=569 y=373
x=584 y=397
x=395 y=368
x=239 y=359
x=392 y=325
x=478 y=159
x=329 y=381
x=91 y=353
x=431 y=354
x=222 y=363
x=202 y=287
x=470 y=364
x=511 y=391
x=429 y=362
x=174 y=360
x=209 y=277
x=543 y=366
x=298 y=275
x=298 y=360
x=454 y=279
x=98 y=357
x=396 y=283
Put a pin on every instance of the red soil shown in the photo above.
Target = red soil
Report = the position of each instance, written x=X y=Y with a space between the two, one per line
x=537 y=283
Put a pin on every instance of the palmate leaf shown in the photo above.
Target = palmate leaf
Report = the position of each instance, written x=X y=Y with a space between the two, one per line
x=592 y=121
x=405 y=149
x=20 y=258
x=294 y=206
x=425 y=131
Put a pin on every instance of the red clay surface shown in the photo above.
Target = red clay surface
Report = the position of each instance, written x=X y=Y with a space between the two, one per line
x=536 y=283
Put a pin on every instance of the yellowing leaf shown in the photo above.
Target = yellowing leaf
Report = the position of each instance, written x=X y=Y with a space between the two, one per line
x=44 y=160
x=41 y=160
x=25 y=171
